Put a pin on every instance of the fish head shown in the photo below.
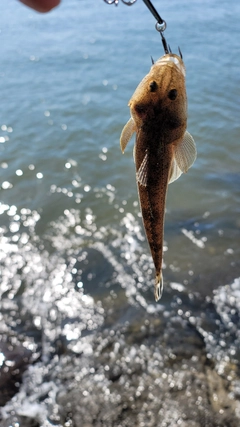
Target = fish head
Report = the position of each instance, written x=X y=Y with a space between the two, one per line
x=160 y=99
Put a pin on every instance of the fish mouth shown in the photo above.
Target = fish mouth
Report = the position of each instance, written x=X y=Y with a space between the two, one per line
x=172 y=58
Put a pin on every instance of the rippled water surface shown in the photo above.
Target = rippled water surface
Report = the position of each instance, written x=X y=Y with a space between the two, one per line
x=83 y=342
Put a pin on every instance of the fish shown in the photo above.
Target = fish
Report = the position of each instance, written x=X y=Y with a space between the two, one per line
x=163 y=150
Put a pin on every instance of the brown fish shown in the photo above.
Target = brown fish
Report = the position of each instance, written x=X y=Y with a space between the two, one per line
x=163 y=149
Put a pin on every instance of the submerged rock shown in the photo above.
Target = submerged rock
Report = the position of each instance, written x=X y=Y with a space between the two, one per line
x=14 y=361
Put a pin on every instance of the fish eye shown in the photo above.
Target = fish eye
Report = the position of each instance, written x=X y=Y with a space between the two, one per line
x=153 y=86
x=172 y=94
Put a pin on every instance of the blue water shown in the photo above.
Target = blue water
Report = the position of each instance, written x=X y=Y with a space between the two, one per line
x=68 y=201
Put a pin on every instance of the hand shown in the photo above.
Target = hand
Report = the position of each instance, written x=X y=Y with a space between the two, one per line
x=41 y=5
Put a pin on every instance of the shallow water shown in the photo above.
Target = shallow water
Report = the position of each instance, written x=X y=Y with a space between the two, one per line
x=77 y=304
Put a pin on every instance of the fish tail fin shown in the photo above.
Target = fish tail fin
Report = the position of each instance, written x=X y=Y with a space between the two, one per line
x=158 y=288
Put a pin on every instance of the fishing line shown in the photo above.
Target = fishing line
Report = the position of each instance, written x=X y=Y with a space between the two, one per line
x=160 y=25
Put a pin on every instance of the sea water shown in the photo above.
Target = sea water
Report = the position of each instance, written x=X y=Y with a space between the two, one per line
x=76 y=269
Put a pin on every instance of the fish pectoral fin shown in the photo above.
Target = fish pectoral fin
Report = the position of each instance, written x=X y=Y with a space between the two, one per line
x=175 y=172
x=185 y=153
x=127 y=133
x=141 y=174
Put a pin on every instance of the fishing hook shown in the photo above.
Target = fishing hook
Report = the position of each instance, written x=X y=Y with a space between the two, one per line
x=160 y=25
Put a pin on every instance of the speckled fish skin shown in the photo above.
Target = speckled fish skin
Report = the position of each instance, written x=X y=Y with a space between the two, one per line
x=159 y=117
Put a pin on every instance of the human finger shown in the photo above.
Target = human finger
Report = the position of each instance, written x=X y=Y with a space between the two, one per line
x=41 y=5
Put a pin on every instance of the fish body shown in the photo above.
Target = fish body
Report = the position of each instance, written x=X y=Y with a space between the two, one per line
x=163 y=148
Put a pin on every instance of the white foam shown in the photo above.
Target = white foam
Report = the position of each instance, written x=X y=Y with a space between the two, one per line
x=190 y=235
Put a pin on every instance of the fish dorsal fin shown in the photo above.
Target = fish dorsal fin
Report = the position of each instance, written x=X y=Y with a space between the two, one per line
x=142 y=171
x=126 y=134
x=185 y=152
